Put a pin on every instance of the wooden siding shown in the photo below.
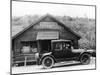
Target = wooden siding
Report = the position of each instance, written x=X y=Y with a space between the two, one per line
x=47 y=25
x=31 y=34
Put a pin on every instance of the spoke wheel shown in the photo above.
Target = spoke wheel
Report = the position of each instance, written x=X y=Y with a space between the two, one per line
x=85 y=59
x=48 y=62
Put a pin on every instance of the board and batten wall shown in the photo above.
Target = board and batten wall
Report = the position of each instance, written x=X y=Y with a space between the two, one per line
x=45 y=25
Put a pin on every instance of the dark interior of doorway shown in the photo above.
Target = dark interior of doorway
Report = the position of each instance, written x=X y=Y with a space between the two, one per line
x=45 y=45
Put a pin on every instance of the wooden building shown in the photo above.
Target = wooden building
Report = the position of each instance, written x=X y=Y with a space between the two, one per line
x=47 y=28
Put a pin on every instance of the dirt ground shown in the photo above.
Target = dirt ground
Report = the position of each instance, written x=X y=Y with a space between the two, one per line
x=62 y=66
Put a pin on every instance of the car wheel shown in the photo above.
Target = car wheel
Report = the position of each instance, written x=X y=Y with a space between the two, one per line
x=85 y=59
x=48 y=62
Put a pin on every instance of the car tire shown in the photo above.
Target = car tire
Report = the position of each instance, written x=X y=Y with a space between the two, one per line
x=47 y=62
x=85 y=59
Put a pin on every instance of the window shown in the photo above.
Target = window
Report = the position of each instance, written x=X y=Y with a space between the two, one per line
x=66 y=46
x=58 y=46
x=28 y=47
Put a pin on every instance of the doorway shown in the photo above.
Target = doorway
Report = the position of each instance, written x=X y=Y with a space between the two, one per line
x=45 y=45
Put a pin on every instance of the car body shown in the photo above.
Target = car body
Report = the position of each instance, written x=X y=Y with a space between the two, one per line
x=62 y=50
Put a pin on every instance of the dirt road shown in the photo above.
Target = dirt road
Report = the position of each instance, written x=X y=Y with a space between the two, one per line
x=63 y=66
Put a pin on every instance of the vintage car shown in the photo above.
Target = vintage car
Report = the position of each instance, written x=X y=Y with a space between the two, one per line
x=59 y=51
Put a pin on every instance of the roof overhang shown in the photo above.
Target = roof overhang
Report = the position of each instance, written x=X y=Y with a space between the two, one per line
x=61 y=40
x=48 y=35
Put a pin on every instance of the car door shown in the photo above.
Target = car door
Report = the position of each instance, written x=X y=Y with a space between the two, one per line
x=57 y=50
x=67 y=50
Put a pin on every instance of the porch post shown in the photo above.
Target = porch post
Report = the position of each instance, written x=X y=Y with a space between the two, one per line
x=38 y=46
x=38 y=50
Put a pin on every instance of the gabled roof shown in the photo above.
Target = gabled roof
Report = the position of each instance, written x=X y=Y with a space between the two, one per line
x=39 y=20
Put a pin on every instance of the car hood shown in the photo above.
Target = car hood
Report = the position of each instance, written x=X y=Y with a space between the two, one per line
x=78 y=50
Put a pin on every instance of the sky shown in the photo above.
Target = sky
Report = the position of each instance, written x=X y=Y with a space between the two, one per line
x=31 y=8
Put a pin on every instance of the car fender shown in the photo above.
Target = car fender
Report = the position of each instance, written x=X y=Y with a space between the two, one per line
x=86 y=52
x=81 y=51
x=47 y=54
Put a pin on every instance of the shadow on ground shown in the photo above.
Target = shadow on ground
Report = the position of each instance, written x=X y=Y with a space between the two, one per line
x=67 y=65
